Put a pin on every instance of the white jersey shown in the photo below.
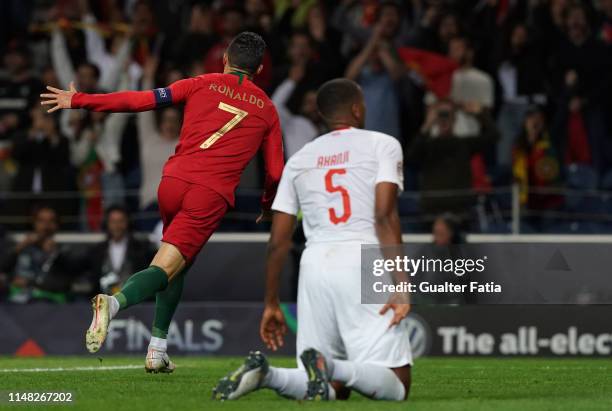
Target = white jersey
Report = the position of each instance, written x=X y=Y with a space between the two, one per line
x=332 y=180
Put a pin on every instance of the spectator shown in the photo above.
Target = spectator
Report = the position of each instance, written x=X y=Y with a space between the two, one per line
x=41 y=267
x=144 y=29
x=112 y=261
x=434 y=30
x=448 y=29
x=95 y=150
x=377 y=69
x=157 y=141
x=446 y=235
x=307 y=71
x=522 y=78
x=446 y=230
x=95 y=137
x=19 y=89
x=43 y=166
x=536 y=163
x=87 y=75
x=258 y=16
x=548 y=20
x=292 y=13
x=193 y=45
x=555 y=53
x=357 y=20
x=605 y=22
x=469 y=84
x=298 y=129
x=111 y=64
x=444 y=157
x=326 y=40
x=232 y=23
x=581 y=67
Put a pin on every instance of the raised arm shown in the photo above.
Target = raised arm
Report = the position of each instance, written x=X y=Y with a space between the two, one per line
x=146 y=119
x=120 y=101
x=280 y=97
x=62 y=64
x=354 y=68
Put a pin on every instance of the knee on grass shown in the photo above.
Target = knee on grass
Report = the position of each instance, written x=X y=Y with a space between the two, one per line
x=404 y=374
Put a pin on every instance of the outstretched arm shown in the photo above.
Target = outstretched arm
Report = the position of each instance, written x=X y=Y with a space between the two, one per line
x=121 y=101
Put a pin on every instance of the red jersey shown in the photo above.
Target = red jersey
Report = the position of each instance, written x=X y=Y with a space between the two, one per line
x=227 y=119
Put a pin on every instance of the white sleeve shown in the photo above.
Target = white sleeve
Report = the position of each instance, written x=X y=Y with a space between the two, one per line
x=280 y=97
x=60 y=59
x=94 y=43
x=286 y=199
x=117 y=67
x=390 y=161
x=146 y=119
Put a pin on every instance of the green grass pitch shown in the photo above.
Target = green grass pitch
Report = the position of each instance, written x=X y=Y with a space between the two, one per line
x=438 y=384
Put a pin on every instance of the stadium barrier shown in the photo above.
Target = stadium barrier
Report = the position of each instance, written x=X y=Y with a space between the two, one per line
x=231 y=266
x=580 y=209
x=233 y=329
x=221 y=327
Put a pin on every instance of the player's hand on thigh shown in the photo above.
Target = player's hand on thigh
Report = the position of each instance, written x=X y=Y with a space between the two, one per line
x=400 y=305
x=273 y=327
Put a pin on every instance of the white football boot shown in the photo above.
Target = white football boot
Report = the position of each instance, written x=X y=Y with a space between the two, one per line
x=96 y=333
x=247 y=378
x=158 y=362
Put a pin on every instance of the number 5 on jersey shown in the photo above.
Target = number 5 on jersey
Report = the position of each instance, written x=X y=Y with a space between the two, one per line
x=239 y=115
x=346 y=199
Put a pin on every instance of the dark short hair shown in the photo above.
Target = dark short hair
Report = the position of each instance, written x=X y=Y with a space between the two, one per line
x=453 y=222
x=117 y=208
x=246 y=51
x=337 y=95
x=388 y=4
x=303 y=33
x=39 y=208
x=93 y=67
x=469 y=44
x=232 y=9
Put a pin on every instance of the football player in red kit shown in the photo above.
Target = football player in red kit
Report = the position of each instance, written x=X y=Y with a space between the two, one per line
x=227 y=119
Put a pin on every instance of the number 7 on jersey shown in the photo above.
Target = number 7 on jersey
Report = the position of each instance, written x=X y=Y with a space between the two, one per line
x=239 y=115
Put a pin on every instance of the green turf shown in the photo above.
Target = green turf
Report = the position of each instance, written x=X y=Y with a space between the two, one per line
x=438 y=384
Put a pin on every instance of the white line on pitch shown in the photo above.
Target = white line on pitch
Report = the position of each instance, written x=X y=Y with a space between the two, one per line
x=59 y=369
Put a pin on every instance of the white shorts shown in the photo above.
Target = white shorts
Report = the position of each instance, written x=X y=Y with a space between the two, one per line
x=331 y=317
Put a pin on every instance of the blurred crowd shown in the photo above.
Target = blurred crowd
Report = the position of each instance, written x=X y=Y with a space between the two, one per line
x=38 y=268
x=482 y=94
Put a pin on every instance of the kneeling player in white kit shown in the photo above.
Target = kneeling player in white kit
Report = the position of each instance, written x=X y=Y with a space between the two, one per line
x=346 y=184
